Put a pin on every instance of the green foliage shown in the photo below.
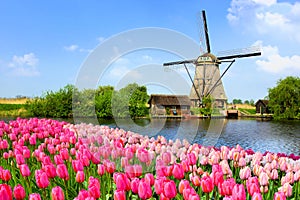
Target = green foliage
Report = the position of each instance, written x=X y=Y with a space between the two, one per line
x=104 y=102
x=84 y=103
x=130 y=101
x=284 y=99
x=237 y=101
x=52 y=104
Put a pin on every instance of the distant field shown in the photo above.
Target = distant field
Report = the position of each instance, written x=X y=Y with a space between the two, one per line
x=13 y=100
x=243 y=106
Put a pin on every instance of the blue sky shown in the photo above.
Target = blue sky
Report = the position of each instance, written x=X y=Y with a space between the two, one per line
x=43 y=44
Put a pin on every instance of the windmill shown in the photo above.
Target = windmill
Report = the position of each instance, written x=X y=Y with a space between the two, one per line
x=207 y=80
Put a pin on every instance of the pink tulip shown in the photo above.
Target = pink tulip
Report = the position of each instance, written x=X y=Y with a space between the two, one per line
x=6 y=155
x=83 y=195
x=94 y=187
x=143 y=155
x=50 y=170
x=122 y=181
x=189 y=193
x=5 y=192
x=207 y=184
x=41 y=178
x=110 y=167
x=279 y=196
x=159 y=184
x=238 y=192
x=245 y=173
x=166 y=157
x=35 y=196
x=58 y=159
x=149 y=178
x=20 y=159
x=137 y=170
x=79 y=177
x=217 y=177
x=226 y=187
x=263 y=179
x=24 y=169
x=64 y=153
x=77 y=165
x=134 y=185
x=19 y=192
x=274 y=174
x=178 y=172
x=62 y=171
x=57 y=193
x=6 y=176
x=196 y=180
x=183 y=184
x=256 y=196
x=252 y=185
x=169 y=189
x=119 y=195
x=286 y=189
x=144 y=190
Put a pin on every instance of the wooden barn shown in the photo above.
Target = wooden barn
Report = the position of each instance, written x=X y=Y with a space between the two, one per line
x=170 y=105
x=262 y=107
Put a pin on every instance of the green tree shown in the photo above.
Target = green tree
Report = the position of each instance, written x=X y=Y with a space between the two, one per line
x=103 y=101
x=237 y=101
x=53 y=104
x=246 y=102
x=84 y=103
x=284 y=99
x=130 y=101
x=207 y=106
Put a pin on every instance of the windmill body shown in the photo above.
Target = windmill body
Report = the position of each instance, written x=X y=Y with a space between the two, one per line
x=207 y=81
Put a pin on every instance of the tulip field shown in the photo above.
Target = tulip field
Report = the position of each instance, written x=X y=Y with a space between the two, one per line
x=49 y=159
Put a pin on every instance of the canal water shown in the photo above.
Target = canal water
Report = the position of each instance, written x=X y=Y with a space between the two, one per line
x=256 y=134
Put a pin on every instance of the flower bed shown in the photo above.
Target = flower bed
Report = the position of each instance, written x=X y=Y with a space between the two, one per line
x=48 y=159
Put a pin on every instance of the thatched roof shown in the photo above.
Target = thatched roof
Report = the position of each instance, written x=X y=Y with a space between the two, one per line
x=170 y=100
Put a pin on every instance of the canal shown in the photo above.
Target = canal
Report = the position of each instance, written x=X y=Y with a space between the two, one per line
x=256 y=134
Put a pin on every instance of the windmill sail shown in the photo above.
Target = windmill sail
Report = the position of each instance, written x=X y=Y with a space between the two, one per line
x=207 y=79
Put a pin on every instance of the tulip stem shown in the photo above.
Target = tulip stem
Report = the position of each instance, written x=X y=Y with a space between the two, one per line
x=207 y=196
x=44 y=194
x=66 y=188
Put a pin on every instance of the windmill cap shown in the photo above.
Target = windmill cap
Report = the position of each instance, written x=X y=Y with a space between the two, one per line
x=208 y=57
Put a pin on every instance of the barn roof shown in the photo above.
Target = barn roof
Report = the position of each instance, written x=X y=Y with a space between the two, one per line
x=265 y=102
x=170 y=100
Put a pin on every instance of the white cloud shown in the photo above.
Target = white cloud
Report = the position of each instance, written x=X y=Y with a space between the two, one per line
x=273 y=62
x=265 y=2
x=72 y=47
x=267 y=17
x=24 y=65
x=26 y=59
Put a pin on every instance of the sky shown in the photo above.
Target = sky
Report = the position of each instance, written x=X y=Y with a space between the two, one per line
x=45 y=45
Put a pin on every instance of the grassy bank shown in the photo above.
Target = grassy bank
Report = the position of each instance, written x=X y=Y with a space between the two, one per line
x=12 y=107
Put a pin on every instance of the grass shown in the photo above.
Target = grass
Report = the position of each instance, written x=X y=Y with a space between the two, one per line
x=248 y=111
x=11 y=107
